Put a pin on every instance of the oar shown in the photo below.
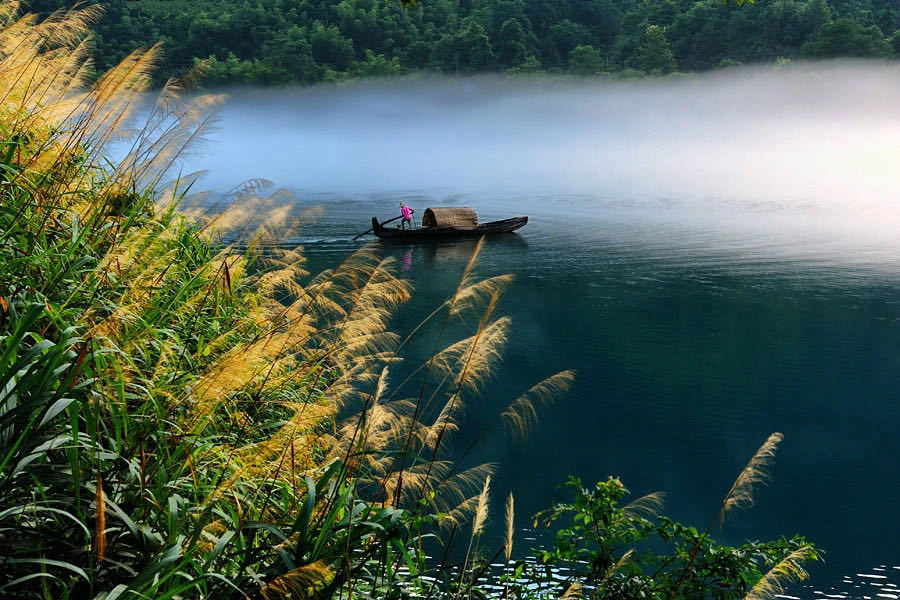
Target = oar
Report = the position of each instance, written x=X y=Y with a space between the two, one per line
x=373 y=229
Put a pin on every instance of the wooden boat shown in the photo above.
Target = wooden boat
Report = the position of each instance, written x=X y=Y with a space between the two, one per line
x=446 y=223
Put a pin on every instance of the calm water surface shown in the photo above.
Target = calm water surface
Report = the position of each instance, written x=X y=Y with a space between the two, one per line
x=698 y=324
x=691 y=346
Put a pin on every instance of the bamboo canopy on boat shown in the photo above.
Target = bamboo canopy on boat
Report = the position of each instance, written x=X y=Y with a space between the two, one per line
x=457 y=217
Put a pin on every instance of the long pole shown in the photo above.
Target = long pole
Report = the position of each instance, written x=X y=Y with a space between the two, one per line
x=373 y=229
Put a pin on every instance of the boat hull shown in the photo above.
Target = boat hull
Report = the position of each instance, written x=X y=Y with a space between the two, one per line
x=437 y=233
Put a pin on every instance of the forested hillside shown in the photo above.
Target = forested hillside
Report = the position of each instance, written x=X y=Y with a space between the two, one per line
x=282 y=41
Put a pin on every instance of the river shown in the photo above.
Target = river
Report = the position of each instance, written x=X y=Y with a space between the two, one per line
x=718 y=258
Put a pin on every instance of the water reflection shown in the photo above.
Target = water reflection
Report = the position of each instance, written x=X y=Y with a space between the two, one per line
x=437 y=252
x=406 y=261
x=460 y=251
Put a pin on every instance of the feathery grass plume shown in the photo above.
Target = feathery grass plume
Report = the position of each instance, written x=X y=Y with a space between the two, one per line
x=449 y=488
x=454 y=496
x=521 y=415
x=615 y=568
x=380 y=386
x=481 y=510
x=251 y=221
x=645 y=507
x=788 y=569
x=470 y=267
x=303 y=583
x=755 y=473
x=451 y=491
x=575 y=591
x=375 y=417
x=739 y=496
x=370 y=433
x=296 y=437
x=481 y=357
x=468 y=365
x=175 y=127
x=475 y=292
x=375 y=427
x=459 y=514
x=508 y=543
x=470 y=295
x=452 y=360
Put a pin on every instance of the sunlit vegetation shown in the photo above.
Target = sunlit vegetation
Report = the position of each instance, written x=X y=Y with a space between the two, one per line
x=306 y=41
x=187 y=412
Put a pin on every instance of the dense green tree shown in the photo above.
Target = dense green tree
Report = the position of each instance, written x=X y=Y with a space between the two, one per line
x=510 y=46
x=417 y=55
x=700 y=36
x=886 y=21
x=376 y=66
x=654 y=54
x=566 y=35
x=464 y=51
x=601 y=18
x=530 y=65
x=275 y=41
x=585 y=60
x=789 y=23
x=291 y=49
x=330 y=48
x=816 y=13
x=846 y=37
x=495 y=14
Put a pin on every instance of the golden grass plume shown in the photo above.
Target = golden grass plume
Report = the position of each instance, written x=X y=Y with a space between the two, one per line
x=788 y=569
x=521 y=415
x=754 y=474
x=306 y=582
x=645 y=507
x=510 y=518
x=481 y=508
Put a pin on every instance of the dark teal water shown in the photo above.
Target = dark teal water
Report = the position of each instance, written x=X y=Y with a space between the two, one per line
x=692 y=344
x=718 y=259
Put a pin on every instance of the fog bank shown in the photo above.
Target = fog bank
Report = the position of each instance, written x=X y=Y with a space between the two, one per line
x=817 y=137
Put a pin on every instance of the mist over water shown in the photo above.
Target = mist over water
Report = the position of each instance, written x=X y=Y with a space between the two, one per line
x=821 y=141
x=718 y=257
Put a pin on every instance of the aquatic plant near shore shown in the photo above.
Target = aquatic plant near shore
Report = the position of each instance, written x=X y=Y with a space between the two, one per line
x=612 y=551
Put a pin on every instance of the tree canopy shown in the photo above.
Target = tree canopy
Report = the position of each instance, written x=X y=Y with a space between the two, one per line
x=284 y=41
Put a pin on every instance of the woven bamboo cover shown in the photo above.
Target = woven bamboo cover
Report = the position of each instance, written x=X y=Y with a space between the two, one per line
x=460 y=218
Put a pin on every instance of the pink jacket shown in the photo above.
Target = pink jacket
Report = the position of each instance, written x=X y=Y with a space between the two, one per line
x=406 y=212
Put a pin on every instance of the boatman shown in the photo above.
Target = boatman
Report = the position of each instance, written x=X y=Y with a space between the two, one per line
x=407 y=214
